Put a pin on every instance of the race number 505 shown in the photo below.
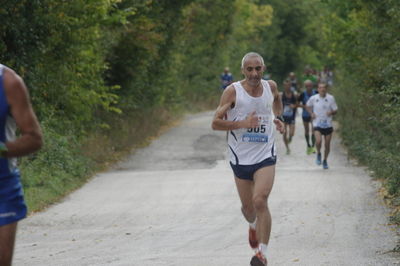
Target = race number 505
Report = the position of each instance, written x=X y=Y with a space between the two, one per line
x=260 y=129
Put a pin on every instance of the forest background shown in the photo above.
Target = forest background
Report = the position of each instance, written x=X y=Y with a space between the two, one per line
x=106 y=75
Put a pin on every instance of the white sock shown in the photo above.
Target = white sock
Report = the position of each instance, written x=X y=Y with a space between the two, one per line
x=263 y=248
x=253 y=224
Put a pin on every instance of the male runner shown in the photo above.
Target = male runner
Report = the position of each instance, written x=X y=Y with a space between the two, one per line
x=322 y=107
x=289 y=102
x=15 y=110
x=248 y=111
x=303 y=98
x=226 y=78
x=293 y=81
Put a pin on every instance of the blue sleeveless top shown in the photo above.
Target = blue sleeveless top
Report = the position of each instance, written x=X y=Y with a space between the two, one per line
x=304 y=96
x=10 y=186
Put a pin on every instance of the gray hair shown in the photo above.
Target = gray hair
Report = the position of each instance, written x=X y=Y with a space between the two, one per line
x=252 y=54
x=308 y=82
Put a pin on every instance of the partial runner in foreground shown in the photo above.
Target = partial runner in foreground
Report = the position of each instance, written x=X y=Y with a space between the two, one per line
x=248 y=110
x=15 y=111
x=322 y=108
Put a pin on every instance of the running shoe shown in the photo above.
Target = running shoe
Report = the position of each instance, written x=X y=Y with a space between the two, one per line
x=325 y=164
x=309 y=150
x=318 y=161
x=258 y=260
x=314 y=150
x=253 y=238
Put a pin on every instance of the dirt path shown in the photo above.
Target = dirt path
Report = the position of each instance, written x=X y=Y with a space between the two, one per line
x=175 y=203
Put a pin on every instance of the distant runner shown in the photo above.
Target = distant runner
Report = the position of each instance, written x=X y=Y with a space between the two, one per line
x=293 y=82
x=248 y=110
x=322 y=107
x=289 y=102
x=15 y=111
x=303 y=98
x=226 y=78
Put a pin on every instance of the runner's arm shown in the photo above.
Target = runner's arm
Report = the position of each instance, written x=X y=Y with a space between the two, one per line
x=227 y=101
x=277 y=104
x=333 y=112
x=31 y=138
x=309 y=108
x=334 y=108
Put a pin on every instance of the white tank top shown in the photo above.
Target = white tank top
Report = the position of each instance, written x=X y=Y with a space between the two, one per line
x=251 y=146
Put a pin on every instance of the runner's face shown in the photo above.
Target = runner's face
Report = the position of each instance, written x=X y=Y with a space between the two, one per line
x=309 y=86
x=322 y=89
x=286 y=86
x=253 y=70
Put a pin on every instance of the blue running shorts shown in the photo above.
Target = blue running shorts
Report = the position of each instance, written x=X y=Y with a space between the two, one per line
x=246 y=172
x=12 y=204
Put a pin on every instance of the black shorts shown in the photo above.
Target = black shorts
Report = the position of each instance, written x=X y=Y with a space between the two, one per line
x=288 y=120
x=324 y=131
x=246 y=172
x=307 y=119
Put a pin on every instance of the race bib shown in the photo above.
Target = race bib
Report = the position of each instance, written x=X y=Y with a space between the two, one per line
x=287 y=111
x=323 y=123
x=260 y=133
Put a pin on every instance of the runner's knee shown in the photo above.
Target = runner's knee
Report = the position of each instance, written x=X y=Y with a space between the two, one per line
x=260 y=202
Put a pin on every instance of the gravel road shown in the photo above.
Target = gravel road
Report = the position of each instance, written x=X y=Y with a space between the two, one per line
x=174 y=203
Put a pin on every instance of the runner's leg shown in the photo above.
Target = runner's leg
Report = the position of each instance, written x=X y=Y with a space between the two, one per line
x=245 y=190
x=307 y=132
x=327 y=146
x=7 y=240
x=285 y=137
x=313 y=135
x=318 y=140
x=263 y=182
x=291 y=130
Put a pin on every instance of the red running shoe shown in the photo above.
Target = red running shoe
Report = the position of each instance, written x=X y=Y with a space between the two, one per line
x=258 y=260
x=253 y=238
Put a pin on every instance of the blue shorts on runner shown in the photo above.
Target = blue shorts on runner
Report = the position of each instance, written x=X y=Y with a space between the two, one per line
x=12 y=204
x=288 y=120
x=246 y=172
x=324 y=131
x=306 y=119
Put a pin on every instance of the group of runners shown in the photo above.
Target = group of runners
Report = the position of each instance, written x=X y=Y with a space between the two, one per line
x=318 y=107
x=251 y=111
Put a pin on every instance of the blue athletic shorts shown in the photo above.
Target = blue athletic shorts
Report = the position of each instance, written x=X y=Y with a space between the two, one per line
x=12 y=204
x=307 y=119
x=324 y=131
x=247 y=171
x=288 y=120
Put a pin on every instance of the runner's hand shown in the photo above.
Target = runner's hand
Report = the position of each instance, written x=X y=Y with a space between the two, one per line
x=313 y=116
x=252 y=121
x=279 y=125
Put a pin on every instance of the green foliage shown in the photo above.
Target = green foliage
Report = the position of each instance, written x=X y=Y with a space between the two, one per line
x=55 y=46
x=58 y=168
x=365 y=44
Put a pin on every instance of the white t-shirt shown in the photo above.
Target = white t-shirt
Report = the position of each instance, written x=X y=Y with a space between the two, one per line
x=321 y=106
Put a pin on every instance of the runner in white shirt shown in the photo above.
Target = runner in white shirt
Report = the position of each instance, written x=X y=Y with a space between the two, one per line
x=248 y=110
x=322 y=107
